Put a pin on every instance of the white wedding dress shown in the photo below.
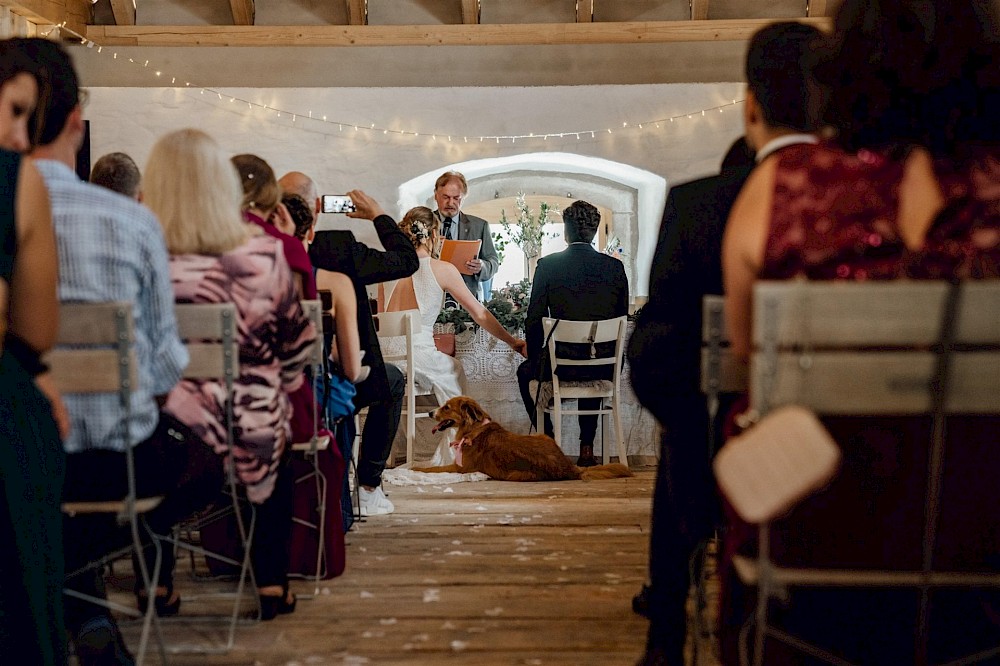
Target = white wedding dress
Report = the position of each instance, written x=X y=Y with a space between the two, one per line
x=434 y=371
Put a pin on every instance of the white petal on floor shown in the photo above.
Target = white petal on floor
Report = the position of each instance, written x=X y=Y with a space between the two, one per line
x=447 y=625
x=459 y=553
x=494 y=612
x=456 y=542
x=354 y=660
x=458 y=646
x=387 y=621
x=448 y=490
x=432 y=595
x=366 y=595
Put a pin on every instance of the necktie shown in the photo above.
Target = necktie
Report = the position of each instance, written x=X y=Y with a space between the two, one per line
x=449 y=227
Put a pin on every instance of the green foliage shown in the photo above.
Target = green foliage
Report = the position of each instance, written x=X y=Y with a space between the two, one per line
x=510 y=304
x=528 y=230
x=458 y=317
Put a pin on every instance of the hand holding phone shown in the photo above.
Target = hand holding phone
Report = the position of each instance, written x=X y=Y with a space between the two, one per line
x=338 y=203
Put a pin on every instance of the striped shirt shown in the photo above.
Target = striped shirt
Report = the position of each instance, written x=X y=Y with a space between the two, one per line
x=111 y=248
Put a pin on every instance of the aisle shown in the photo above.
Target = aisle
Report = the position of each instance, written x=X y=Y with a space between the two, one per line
x=475 y=573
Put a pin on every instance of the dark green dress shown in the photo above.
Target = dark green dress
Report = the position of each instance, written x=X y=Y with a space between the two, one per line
x=31 y=477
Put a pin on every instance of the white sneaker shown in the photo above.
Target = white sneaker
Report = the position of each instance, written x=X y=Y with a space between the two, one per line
x=375 y=503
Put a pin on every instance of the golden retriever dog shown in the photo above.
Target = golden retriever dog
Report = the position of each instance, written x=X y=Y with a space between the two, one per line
x=484 y=446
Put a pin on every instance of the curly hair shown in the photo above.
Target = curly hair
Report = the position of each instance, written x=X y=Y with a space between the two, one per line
x=302 y=214
x=418 y=224
x=582 y=220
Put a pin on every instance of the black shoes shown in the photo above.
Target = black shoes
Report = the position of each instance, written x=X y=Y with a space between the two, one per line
x=99 y=643
x=586 y=458
x=272 y=606
x=167 y=605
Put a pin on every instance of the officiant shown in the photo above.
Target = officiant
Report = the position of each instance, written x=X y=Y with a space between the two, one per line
x=449 y=192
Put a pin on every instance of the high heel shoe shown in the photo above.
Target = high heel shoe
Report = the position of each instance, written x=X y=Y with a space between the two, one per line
x=272 y=605
x=167 y=605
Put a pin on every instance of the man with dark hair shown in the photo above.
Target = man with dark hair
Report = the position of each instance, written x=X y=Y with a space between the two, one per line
x=118 y=172
x=664 y=350
x=169 y=460
x=579 y=284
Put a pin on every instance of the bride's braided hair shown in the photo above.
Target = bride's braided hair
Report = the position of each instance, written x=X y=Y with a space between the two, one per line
x=418 y=224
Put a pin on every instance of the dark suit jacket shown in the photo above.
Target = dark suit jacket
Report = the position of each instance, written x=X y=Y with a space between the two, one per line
x=340 y=251
x=476 y=228
x=665 y=348
x=579 y=284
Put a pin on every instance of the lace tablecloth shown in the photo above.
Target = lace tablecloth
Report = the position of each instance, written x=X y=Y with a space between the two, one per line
x=491 y=370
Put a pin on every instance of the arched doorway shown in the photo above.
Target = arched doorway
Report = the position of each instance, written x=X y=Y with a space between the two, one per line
x=631 y=199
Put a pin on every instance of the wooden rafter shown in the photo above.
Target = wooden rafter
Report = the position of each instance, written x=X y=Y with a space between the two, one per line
x=357 y=12
x=816 y=8
x=123 y=11
x=76 y=14
x=699 y=10
x=584 y=11
x=646 y=32
x=243 y=11
x=470 y=12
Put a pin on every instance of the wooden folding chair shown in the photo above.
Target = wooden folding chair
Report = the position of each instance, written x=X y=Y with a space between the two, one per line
x=404 y=324
x=95 y=355
x=557 y=332
x=857 y=349
x=208 y=330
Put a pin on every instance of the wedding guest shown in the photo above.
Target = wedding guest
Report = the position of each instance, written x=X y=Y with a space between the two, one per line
x=111 y=248
x=31 y=456
x=581 y=284
x=216 y=258
x=383 y=389
x=119 y=173
x=665 y=348
x=908 y=187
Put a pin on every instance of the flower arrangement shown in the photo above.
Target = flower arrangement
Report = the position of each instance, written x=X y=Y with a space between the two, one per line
x=509 y=305
x=529 y=231
x=614 y=248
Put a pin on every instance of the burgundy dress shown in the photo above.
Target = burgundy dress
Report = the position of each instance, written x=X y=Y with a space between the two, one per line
x=834 y=217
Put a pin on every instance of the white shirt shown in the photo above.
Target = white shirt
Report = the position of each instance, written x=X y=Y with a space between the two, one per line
x=784 y=141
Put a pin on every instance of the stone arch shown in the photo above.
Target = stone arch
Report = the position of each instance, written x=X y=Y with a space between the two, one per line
x=634 y=196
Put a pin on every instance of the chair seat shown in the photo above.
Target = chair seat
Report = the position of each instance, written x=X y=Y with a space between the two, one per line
x=142 y=505
x=596 y=388
x=322 y=444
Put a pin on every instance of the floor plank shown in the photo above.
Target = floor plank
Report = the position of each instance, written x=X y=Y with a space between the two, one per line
x=473 y=573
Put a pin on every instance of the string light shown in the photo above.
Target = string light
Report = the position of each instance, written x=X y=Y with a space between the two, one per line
x=386 y=131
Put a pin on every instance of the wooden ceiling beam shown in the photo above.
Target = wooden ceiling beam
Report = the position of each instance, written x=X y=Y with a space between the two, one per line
x=123 y=11
x=357 y=12
x=699 y=10
x=76 y=14
x=646 y=32
x=817 y=8
x=243 y=11
x=584 y=11
x=470 y=12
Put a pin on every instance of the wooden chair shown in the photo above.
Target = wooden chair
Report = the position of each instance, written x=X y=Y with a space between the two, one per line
x=552 y=393
x=404 y=324
x=311 y=448
x=208 y=331
x=95 y=354
x=859 y=349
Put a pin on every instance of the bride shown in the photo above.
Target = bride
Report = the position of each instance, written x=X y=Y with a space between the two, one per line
x=424 y=291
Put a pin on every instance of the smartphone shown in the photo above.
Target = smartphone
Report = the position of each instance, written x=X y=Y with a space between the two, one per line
x=338 y=203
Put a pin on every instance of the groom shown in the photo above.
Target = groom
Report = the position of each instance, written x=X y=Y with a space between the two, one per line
x=580 y=284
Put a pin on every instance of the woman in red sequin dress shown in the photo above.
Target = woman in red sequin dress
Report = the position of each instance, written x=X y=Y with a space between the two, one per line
x=908 y=187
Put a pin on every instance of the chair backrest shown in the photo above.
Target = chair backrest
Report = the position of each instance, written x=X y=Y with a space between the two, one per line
x=870 y=348
x=720 y=371
x=208 y=330
x=405 y=324
x=314 y=311
x=566 y=331
x=95 y=352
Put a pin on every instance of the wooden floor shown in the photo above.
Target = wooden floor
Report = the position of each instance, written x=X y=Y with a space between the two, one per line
x=472 y=573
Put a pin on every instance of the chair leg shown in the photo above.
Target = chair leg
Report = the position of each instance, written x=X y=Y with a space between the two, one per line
x=557 y=421
x=619 y=433
x=605 y=435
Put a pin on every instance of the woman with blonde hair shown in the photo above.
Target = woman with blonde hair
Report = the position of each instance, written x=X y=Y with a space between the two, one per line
x=216 y=257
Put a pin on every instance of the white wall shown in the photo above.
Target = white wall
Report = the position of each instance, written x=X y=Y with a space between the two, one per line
x=131 y=119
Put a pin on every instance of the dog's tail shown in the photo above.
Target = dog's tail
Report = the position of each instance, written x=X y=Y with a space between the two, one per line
x=612 y=471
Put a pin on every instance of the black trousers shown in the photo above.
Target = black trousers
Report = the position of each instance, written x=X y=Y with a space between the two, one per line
x=380 y=425
x=588 y=422
x=172 y=462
